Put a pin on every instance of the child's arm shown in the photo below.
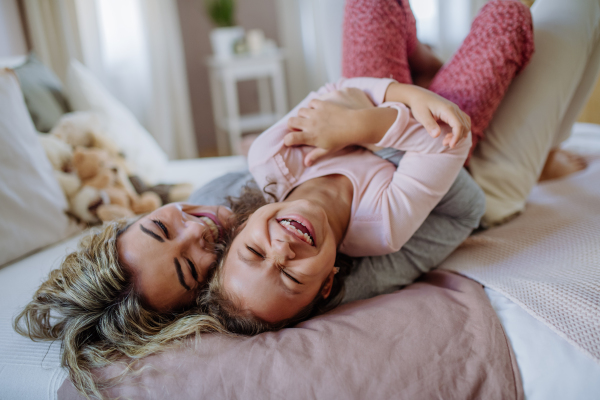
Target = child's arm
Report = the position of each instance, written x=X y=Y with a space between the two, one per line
x=428 y=107
x=344 y=118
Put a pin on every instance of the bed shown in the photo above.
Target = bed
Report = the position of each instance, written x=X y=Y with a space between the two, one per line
x=550 y=366
x=544 y=361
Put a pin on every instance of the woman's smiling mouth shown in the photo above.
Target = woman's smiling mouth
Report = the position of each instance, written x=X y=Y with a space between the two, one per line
x=212 y=223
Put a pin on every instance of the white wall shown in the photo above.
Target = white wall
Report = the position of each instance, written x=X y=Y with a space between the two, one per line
x=12 y=39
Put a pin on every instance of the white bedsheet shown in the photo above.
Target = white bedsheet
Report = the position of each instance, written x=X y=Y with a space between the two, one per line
x=551 y=368
x=28 y=370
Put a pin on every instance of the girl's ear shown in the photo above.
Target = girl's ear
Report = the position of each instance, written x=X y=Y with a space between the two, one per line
x=328 y=284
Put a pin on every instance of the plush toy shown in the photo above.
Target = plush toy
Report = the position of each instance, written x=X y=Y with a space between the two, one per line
x=95 y=177
x=81 y=129
x=114 y=196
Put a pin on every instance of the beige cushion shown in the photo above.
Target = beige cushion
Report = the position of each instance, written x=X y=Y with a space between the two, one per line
x=32 y=204
x=86 y=93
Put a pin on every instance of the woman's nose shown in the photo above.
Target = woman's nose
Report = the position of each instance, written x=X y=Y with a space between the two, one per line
x=195 y=231
x=282 y=249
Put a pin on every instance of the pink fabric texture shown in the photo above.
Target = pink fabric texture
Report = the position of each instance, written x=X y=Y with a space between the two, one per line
x=379 y=36
x=437 y=339
x=389 y=203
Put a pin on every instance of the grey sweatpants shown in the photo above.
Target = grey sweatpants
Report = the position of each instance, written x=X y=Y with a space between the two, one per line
x=444 y=229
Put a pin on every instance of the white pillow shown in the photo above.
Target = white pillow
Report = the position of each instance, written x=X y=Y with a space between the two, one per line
x=12 y=61
x=86 y=93
x=32 y=204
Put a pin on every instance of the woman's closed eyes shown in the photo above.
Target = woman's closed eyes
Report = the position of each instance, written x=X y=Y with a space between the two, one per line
x=190 y=263
x=162 y=227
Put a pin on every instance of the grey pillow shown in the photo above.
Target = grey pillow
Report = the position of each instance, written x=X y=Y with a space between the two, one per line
x=43 y=93
x=215 y=192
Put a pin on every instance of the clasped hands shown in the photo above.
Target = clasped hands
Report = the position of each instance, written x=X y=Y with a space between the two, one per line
x=348 y=117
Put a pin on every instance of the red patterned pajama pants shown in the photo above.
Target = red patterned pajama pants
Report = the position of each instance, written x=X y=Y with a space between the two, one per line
x=380 y=35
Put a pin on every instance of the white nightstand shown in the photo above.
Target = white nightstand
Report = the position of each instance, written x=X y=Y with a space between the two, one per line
x=224 y=75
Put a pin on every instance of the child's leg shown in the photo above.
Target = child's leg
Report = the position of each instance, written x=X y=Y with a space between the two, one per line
x=540 y=105
x=379 y=35
x=497 y=48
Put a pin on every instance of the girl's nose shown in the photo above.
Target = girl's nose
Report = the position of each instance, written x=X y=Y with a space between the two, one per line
x=282 y=250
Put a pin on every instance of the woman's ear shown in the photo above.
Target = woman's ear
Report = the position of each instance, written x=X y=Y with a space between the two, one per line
x=328 y=284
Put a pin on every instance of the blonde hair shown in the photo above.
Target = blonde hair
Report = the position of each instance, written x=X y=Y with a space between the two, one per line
x=90 y=303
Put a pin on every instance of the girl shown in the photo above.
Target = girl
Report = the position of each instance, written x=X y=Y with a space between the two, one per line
x=281 y=264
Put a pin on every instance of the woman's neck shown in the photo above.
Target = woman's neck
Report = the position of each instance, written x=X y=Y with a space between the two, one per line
x=333 y=193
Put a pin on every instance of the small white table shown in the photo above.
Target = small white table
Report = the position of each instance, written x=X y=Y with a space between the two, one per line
x=224 y=75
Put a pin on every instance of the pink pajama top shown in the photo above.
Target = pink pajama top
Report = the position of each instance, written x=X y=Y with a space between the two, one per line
x=389 y=204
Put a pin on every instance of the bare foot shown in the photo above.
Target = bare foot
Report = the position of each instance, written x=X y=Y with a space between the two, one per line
x=561 y=163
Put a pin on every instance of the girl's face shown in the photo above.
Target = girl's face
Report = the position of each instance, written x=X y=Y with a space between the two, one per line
x=283 y=257
x=169 y=252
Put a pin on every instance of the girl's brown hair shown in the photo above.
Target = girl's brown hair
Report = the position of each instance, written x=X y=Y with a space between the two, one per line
x=236 y=320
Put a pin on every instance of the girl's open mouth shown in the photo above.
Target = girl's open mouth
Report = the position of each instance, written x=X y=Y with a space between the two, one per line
x=298 y=229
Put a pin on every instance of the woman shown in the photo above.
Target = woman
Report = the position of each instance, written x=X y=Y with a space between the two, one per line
x=106 y=317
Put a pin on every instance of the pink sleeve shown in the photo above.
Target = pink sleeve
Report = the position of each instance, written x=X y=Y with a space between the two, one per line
x=423 y=176
x=375 y=88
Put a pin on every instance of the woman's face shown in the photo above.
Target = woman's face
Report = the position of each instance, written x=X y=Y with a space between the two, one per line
x=280 y=260
x=169 y=252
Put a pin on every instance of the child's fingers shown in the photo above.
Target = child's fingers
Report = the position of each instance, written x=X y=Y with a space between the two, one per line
x=297 y=123
x=428 y=122
x=297 y=139
x=454 y=141
x=316 y=103
x=447 y=139
x=467 y=120
x=457 y=125
x=314 y=155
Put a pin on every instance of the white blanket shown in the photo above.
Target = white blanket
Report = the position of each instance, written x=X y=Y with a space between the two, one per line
x=548 y=259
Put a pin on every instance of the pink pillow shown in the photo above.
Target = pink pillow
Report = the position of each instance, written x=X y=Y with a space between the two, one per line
x=438 y=338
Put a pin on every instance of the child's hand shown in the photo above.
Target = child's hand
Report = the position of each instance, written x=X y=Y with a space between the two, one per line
x=428 y=108
x=329 y=123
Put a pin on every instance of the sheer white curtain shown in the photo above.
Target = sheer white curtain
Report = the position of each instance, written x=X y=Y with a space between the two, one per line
x=134 y=47
x=444 y=24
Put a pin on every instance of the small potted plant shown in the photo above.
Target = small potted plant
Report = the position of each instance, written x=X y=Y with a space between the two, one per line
x=225 y=34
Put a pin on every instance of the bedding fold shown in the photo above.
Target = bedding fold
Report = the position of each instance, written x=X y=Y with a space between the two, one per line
x=438 y=338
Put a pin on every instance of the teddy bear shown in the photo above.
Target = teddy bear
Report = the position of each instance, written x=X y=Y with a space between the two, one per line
x=108 y=192
x=95 y=177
